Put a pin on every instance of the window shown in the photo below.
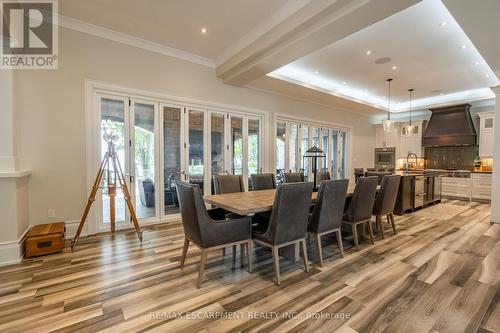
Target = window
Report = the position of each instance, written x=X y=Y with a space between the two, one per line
x=280 y=145
x=253 y=146
x=291 y=146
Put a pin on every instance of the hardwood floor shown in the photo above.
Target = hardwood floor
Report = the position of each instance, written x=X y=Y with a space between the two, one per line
x=440 y=273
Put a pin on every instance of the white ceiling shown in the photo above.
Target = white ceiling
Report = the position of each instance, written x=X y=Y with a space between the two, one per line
x=178 y=23
x=428 y=57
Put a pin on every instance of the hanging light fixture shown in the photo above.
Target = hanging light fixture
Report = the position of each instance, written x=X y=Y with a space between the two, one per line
x=409 y=128
x=388 y=123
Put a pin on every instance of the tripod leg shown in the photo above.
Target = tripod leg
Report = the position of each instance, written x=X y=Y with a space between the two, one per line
x=112 y=214
x=126 y=194
x=90 y=201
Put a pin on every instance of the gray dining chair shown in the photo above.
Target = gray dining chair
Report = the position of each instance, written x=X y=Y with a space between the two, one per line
x=263 y=181
x=206 y=232
x=385 y=201
x=294 y=177
x=228 y=184
x=379 y=174
x=328 y=210
x=360 y=208
x=288 y=222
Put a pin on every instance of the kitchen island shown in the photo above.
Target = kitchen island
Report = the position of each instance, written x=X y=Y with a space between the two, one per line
x=417 y=190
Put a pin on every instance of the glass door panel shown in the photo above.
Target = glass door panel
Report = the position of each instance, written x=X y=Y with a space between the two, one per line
x=113 y=120
x=253 y=146
x=335 y=157
x=237 y=145
x=196 y=154
x=325 y=147
x=343 y=154
x=315 y=137
x=217 y=146
x=304 y=146
x=280 y=145
x=293 y=147
x=172 y=166
x=144 y=160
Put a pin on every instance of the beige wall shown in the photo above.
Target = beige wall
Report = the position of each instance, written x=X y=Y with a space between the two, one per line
x=49 y=104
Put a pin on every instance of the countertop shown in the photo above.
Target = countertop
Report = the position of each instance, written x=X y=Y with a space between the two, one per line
x=487 y=172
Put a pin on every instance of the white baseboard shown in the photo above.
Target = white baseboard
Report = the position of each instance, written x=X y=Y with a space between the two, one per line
x=72 y=227
x=12 y=252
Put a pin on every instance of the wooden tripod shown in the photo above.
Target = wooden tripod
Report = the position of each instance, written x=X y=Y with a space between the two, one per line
x=109 y=159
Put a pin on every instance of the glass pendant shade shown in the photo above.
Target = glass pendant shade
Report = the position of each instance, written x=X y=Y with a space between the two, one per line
x=388 y=124
x=409 y=129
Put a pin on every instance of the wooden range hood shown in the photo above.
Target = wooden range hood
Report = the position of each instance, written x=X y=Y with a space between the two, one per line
x=450 y=126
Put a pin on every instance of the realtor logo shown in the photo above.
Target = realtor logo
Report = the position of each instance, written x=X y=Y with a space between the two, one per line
x=29 y=34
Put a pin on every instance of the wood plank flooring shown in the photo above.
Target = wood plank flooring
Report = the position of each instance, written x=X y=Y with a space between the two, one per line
x=440 y=273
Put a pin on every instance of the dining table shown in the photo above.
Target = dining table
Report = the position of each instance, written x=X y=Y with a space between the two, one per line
x=251 y=202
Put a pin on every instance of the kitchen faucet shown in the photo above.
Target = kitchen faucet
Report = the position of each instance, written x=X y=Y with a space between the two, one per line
x=408 y=163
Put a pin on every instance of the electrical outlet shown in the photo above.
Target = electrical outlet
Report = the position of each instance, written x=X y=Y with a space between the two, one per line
x=51 y=213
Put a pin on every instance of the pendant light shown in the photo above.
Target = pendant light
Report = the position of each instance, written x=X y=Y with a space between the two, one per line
x=388 y=123
x=409 y=128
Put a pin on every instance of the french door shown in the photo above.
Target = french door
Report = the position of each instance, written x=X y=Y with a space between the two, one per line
x=134 y=123
x=159 y=143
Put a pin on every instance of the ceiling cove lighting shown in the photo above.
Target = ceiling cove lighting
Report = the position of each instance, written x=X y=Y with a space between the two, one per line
x=388 y=124
x=409 y=128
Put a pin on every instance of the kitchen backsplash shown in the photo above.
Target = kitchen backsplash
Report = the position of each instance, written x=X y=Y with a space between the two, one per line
x=461 y=158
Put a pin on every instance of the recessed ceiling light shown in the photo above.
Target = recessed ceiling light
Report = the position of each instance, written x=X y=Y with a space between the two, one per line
x=316 y=72
x=444 y=23
x=394 y=67
x=368 y=52
x=487 y=75
x=204 y=31
x=463 y=46
x=476 y=63
x=344 y=83
x=441 y=94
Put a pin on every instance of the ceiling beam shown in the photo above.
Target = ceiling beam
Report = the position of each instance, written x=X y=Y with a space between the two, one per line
x=479 y=21
x=317 y=24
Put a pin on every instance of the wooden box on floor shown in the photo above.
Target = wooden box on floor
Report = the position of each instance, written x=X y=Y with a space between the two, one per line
x=45 y=239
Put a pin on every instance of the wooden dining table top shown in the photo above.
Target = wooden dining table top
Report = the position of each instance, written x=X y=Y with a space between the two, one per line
x=245 y=203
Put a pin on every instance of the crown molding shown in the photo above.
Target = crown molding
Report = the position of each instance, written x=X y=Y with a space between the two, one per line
x=91 y=29
x=496 y=89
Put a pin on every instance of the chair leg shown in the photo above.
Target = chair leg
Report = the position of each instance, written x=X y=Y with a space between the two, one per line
x=234 y=252
x=320 y=251
x=276 y=260
x=203 y=261
x=339 y=241
x=355 y=236
x=304 y=254
x=380 y=224
x=393 y=222
x=242 y=254
x=370 y=229
x=184 y=251
x=249 y=256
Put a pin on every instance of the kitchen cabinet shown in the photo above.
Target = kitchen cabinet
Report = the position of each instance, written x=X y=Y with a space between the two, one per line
x=454 y=187
x=481 y=186
x=487 y=123
x=412 y=143
x=384 y=139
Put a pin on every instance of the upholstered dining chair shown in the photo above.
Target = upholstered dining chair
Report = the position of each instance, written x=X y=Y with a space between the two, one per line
x=228 y=184
x=327 y=213
x=288 y=222
x=385 y=201
x=360 y=208
x=263 y=181
x=204 y=231
x=294 y=177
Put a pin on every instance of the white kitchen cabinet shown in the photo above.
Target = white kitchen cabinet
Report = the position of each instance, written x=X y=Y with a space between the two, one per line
x=487 y=123
x=481 y=186
x=384 y=139
x=413 y=143
x=459 y=188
